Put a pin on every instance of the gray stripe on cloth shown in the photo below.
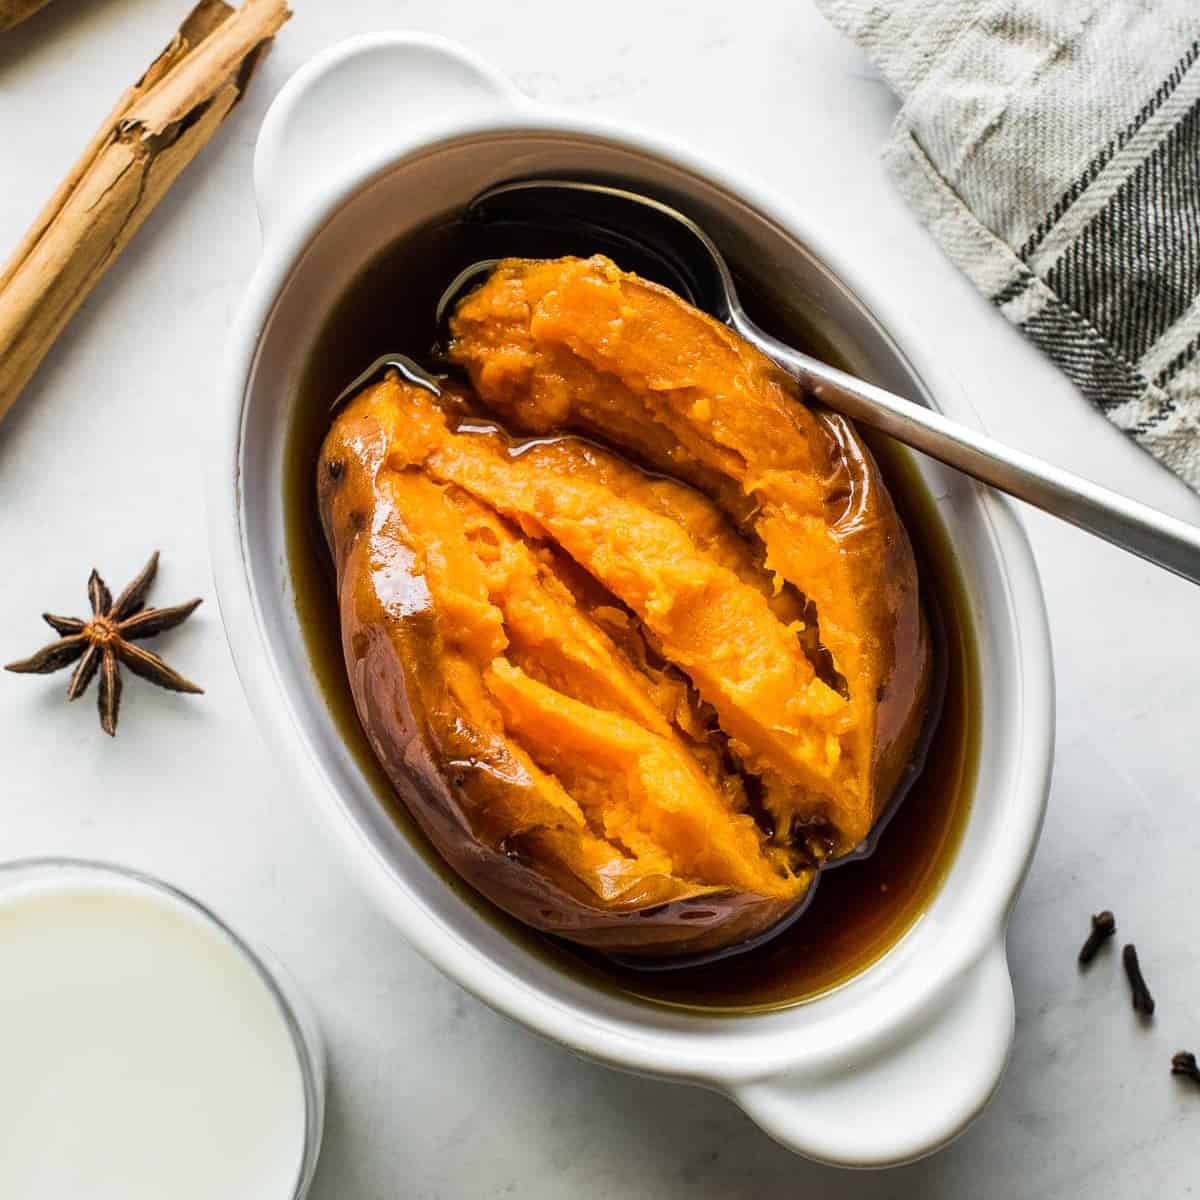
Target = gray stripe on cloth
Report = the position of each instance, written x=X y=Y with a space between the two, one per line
x=1113 y=175
x=1135 y=268
x=1177 y=363
x=1084 y=356
x=1079 y=185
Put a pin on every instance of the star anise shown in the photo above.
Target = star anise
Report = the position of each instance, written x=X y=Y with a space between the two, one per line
x=108 y=639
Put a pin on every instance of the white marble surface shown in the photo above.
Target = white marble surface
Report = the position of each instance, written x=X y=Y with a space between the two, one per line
x=431 y=1094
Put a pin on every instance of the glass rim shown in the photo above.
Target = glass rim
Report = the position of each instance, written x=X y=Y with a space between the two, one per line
x=305 y=1053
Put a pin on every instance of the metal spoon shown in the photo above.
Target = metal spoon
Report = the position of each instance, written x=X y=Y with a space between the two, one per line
x=655 y=240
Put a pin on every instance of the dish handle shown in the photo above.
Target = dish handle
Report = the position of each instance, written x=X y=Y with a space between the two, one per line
x=359 y=102
x=907 y=1095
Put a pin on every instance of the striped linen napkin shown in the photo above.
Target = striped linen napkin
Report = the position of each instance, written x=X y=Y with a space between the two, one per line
x=1053 y=149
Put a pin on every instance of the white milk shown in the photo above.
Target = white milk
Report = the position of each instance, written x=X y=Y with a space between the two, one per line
x=142 y=1056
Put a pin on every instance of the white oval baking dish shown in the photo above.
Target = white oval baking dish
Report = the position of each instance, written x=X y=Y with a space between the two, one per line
x=375 y=137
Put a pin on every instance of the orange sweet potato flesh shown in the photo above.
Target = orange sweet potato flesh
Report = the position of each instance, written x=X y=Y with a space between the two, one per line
x=578 y=344
x=630 y=709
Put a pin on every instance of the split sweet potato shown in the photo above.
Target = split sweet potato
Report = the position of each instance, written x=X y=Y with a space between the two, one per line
x=632 y=707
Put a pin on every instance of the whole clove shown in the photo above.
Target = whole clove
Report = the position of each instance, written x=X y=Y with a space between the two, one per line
x=1184 y=1063
x=1143 y=1002
x=1104 y=925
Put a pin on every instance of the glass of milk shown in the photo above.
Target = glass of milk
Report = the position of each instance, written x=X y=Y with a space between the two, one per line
x=146 y=1051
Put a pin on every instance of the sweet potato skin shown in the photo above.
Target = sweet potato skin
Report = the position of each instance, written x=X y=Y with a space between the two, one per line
x=446 y=771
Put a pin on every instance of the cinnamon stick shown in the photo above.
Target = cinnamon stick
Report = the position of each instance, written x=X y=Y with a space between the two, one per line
x=157 y=127
x=13 y=12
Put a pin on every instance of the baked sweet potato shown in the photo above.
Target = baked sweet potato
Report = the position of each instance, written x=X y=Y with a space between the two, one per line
x=630 y=709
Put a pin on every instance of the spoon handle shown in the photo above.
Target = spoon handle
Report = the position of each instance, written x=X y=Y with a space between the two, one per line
x=1138 y=528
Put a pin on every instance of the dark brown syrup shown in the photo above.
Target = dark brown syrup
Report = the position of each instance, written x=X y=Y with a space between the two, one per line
x=861 y=909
